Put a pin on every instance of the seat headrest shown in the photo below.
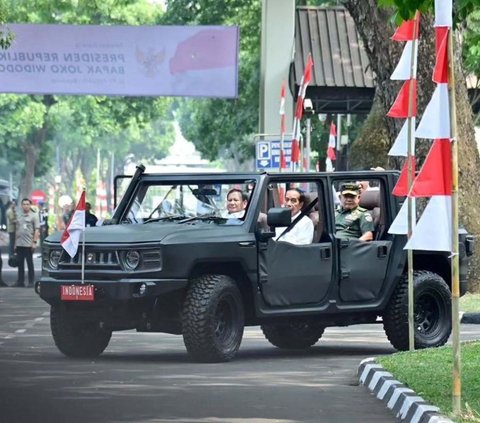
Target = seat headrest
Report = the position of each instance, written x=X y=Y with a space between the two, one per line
x=309 y=197
x=370 y=199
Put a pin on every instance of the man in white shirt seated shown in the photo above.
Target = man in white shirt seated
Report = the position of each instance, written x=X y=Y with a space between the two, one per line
x=236 y=203
x=302 y=232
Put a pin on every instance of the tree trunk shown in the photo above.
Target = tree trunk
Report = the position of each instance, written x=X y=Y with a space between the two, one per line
x=374 y=27
x=32 y=147
x=31 y=156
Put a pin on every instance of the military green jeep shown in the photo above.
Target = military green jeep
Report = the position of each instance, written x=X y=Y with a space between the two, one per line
x=173 y=260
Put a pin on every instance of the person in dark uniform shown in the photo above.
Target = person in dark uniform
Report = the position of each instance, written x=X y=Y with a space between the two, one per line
x=90 y=218
x=351 y=220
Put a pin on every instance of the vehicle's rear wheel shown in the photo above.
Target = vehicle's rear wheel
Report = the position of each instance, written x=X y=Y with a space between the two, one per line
x=296 y=336
x=432 y=312
x=77 y=337
x=213 y=319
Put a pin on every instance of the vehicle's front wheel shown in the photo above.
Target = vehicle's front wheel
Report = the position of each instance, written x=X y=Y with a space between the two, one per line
x=213 y=319
x=77 y=337
x=432 y=312
x=294 y=336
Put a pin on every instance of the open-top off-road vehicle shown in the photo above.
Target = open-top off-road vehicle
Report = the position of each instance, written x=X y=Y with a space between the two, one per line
x=172 y=260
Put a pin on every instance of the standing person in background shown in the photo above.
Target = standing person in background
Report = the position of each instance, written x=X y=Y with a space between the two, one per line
x=26 y=239
x=90 y=218
x=3 y=215
x=67 y=212
x=11 y=225
x=2 y=284
x=43 y=221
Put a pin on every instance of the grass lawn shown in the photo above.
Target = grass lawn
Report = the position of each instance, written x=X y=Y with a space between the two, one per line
x=470 y=303
x=429 y=373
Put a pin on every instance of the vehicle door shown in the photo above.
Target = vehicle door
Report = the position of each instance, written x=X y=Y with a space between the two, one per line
x=290 y=274
x=363 y=264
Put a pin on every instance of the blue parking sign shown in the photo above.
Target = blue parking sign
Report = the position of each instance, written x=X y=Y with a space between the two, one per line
x=268 y=154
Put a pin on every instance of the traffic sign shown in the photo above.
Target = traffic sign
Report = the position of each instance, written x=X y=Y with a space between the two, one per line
x=268 y=154
x=38 y=196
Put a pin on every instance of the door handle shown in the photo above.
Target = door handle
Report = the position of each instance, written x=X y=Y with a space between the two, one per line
x=325 y=253
x=246 y=244
x=382 y=251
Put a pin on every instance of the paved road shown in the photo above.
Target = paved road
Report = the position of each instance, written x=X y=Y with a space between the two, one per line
x=149 y=378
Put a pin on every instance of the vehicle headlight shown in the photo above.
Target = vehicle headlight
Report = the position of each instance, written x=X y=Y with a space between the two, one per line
x=132 y=259
x=54 y=258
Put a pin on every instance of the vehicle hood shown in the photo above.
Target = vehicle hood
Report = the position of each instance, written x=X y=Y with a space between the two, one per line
x=154 y=232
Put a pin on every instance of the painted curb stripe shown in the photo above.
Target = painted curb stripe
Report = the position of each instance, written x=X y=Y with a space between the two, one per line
x=421 y=410
x=407 y=403
x=404 y=402
x=383 y=391
x=376 y=377
x=396 y=396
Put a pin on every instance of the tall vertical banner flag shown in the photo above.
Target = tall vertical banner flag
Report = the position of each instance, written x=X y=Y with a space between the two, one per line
x=405 y=107
x=76 y=225
x=307 y=76
x=434 y=230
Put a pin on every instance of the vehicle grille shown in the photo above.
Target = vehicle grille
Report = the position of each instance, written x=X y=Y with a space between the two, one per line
x=97 y=259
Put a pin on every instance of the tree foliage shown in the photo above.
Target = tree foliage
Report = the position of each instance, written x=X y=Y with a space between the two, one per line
x=220 y=127
x=74 y=127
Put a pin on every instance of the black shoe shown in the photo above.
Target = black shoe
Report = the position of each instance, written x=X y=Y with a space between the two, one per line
x=3 y=284
x=18 y=284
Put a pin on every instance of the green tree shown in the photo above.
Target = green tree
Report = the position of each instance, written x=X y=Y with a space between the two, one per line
x=77 y=126
x=220 y=127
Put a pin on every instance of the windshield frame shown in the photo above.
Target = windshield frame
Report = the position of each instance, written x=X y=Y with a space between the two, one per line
x=148 y=180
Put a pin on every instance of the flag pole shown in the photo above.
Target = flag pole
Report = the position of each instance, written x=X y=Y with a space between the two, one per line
x=282 y=126
x=410 y=203
x=457 y=385
x=83 y=251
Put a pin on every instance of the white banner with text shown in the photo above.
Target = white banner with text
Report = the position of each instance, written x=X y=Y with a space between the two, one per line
x=190 y=61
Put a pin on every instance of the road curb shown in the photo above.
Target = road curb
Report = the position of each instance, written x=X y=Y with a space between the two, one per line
x=404 y=403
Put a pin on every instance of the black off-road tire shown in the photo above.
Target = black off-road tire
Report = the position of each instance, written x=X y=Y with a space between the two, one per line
x=432 y=312
x=213 y=319
x=75 y=337
x=293 y=336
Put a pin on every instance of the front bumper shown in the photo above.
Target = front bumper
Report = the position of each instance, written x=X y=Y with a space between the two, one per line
x=110 y=291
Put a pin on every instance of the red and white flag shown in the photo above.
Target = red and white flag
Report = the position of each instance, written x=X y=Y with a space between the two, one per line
x=443 y=13
x=400 y=225
x=400 y=145
x=401 y=187
x=405 y=69
x=307 y=76
x=332 y=142
x=76 y=225
x=435 y=121
x=435 y=176
x=434 y=228
x=406 y=31
x=401 y=108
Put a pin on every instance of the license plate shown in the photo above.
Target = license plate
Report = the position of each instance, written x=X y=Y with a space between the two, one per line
x=77 y=292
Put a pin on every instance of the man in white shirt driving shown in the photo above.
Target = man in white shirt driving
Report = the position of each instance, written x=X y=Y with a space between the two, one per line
x=236 y=203
x=302 y=232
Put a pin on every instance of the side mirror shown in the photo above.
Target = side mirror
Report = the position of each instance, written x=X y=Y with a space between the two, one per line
x=279 y=216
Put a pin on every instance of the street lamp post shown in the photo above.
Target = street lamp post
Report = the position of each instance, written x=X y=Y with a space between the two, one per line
x=309 y=111
x=58 y=180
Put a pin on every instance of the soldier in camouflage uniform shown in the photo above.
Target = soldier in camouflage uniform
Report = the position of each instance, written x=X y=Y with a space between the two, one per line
x=352 y=221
